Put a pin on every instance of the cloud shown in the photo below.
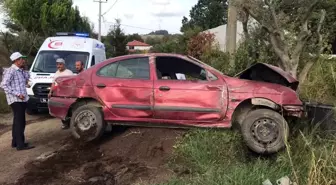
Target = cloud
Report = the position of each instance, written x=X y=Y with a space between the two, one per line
x=161 y=2
x=166 y=8
x=167 y=14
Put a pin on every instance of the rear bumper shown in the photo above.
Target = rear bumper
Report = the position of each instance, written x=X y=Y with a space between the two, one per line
x=59 y=107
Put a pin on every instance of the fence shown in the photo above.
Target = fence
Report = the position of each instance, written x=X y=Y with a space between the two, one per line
x=322 y=114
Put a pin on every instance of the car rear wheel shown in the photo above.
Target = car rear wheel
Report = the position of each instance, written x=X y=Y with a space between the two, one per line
x=265 y=131
x=87 y=123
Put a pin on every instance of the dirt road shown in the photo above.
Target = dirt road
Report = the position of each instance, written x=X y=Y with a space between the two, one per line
x=125 y=156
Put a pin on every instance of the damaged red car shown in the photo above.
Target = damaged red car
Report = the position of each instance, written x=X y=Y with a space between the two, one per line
x=170 y=90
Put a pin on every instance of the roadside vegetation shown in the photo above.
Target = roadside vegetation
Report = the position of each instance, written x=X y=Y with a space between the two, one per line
x=206 y=156
x=4 y=108
x=219 y=157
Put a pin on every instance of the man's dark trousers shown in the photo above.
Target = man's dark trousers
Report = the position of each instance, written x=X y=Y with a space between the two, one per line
x=19 y=124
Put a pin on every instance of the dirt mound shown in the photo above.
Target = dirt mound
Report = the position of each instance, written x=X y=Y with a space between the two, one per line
x=124 y=157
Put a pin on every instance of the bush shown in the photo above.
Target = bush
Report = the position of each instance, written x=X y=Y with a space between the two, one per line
x=320 y=84
x=4 y=108
x=217 y=59
x=170 y=44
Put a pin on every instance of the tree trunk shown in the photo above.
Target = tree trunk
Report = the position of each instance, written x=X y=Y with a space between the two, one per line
x=290 y=65
x=304 y=73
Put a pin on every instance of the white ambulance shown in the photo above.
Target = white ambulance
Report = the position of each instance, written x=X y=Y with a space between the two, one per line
x=69 y=46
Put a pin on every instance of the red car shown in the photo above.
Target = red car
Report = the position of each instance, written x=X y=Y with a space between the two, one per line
x=171 y=90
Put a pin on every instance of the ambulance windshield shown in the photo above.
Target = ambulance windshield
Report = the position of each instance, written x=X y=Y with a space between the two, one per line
x=46 y=60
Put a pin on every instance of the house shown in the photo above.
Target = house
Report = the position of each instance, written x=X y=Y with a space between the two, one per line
x=135 y=45
x=220 y=35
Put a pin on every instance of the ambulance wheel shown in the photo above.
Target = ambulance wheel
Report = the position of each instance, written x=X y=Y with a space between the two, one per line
x=31 y=111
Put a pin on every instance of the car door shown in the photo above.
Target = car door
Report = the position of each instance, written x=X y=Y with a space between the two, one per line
x=126 y=87
x=177 y=98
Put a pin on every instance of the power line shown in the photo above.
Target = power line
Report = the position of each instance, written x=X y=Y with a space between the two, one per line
x=113 y=23
x=110 y=7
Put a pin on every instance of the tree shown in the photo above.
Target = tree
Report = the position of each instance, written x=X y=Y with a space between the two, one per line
x=199 y=44
x=170 y=44
x=153 y=40
x=43 y=18
x=134 y=36
x=115 y=41
x=159 y=32
x=206 y=14
x=31 y=21
x=288 y=27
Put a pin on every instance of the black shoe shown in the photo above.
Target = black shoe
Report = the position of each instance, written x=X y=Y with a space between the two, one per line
x=25 y=144
x=65 y=126
x=25 y=147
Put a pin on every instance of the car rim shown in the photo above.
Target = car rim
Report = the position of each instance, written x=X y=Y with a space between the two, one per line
x=86 y=122
x=265 y=131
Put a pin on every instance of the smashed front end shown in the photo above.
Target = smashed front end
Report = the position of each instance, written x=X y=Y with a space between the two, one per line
x=290 y=102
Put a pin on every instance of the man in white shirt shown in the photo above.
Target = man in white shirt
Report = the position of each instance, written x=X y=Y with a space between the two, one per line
x=62 y=71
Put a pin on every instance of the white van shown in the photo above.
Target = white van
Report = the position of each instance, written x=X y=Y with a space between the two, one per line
x=69 y=46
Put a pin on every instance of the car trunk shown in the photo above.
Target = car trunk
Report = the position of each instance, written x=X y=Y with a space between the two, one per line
x=269 y=73
x=66 y=86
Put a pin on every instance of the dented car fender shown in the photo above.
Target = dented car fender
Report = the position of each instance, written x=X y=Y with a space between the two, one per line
x=265 y=102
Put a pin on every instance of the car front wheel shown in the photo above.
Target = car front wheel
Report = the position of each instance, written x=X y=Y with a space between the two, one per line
x=87 y=123
x=265 y=131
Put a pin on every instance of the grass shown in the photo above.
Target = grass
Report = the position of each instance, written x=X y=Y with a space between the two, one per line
x=214 y=157
x=4 y=108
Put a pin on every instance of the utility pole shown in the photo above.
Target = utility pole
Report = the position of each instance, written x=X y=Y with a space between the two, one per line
x=231 y=30
x=99 y=18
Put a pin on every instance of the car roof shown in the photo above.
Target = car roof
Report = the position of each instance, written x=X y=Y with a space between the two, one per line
x=185 y=57
x=124 y=57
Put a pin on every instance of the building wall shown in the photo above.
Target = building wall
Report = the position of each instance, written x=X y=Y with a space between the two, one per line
x=220 y=35
x=140 y=47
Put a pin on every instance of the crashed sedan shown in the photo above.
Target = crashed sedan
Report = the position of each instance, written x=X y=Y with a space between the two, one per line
x=170 y=90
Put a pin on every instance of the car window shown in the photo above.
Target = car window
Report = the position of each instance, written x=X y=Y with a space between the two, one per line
x=93 y=61
x=175 y=68
x=108 y=70
x=136 y=68
x=211 y=76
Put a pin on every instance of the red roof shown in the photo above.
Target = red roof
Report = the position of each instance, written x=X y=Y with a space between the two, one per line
x=137 y=43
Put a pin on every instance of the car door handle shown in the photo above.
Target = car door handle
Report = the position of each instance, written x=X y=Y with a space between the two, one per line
x=164 y=88
x=101 y=85
x=213 y=87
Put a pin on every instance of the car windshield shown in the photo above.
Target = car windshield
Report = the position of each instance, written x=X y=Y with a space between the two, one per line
x=46 y=60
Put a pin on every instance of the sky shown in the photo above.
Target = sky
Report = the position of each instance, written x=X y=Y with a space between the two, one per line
x=137 y=16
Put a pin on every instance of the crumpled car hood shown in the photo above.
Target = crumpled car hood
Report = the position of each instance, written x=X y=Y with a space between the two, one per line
x=268 y=73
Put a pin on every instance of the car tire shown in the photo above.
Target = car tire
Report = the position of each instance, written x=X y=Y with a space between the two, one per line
x=265 y=131
x=87 y=123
